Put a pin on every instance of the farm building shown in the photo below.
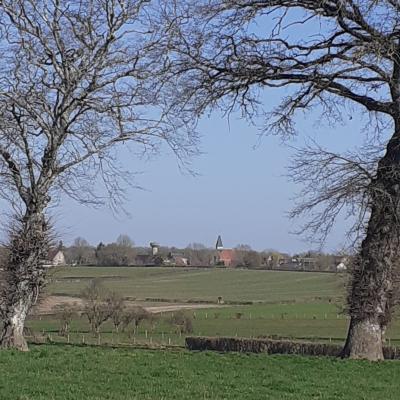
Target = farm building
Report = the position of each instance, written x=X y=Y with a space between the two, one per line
x=157 y=257
x=55 y=258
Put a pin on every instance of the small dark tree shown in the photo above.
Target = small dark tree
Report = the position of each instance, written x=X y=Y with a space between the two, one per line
x=117 y=309
x=182 y=322
x=124 y=240
x=135 y=316
x=80 y=253
x=65 y=316
x=97 y=305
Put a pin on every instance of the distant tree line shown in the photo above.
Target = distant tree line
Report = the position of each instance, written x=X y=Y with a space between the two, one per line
x=123 y=252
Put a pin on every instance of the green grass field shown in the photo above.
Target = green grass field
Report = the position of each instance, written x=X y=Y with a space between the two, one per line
x=292 y=305
x=285 y=304
x=298 y=305
x=88 y=373
x=202 y=284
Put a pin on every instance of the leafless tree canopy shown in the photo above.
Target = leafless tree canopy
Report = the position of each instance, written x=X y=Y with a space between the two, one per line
x=77 y=78
x=324 y=56
x=332 y=185
x=330 y=55
x=235 y=47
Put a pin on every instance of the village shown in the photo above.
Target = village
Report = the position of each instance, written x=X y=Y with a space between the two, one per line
x=124 y=253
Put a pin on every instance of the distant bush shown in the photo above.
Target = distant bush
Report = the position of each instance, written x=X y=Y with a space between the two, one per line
x=97 y=305
x=65 y=315
x=182 y=322
x=117 y=309
x=134 y=316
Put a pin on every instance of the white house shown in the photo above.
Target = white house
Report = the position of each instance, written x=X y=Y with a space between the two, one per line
x=341 y=267
x=55 y=258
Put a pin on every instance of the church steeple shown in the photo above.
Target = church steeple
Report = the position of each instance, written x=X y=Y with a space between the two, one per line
x=219 y=245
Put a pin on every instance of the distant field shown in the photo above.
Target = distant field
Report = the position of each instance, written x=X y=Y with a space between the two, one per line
x=82 y=373
x=202 y=284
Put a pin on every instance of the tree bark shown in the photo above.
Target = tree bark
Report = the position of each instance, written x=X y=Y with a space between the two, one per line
x=370 y=297
x=364 y=341
x=24 y=275
x=12 y=335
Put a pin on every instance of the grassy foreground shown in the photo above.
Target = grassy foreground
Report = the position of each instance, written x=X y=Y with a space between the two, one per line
x=74 y=373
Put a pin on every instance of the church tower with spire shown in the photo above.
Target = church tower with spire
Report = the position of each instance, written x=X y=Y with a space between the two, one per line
x=223 y=256
x=219 y=246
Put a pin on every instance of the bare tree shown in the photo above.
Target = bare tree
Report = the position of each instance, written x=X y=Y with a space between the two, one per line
x=80 y=242
x=181 y=321
x=124 y=240
x=80 y=253
x=77 y=78
x=65 y=317
x=97 y=305
x=198 y=254
x=334 y=55
x=134 y=315
x=113 y=254
x=117 y=308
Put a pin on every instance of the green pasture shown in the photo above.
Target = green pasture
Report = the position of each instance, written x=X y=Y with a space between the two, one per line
x=201 y=284
x=285 y=304
x=298 y=305
x=89 y=373
x=308 y=321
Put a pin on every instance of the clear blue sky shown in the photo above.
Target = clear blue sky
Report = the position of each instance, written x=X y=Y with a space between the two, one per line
x=240 y=193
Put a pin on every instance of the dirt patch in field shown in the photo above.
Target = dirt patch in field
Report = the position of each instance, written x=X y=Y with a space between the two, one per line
x=175 y=307
x=50 y=304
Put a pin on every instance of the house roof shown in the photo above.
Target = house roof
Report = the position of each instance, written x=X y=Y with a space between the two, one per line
x=219 y=243
x=53 y=253
x=180 y=261
x=227 y=255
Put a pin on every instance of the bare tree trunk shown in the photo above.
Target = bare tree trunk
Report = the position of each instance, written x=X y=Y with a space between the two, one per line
x=12 y=335
x=371 y=294
x=364 y=340
x=24 y=276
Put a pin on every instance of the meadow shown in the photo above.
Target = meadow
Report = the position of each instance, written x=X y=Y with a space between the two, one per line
x=293 y=305
x=257 y=304
x=53 y=372
x=201 y=283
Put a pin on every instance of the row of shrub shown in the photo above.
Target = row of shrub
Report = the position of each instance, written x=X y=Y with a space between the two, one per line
x=269 y=346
